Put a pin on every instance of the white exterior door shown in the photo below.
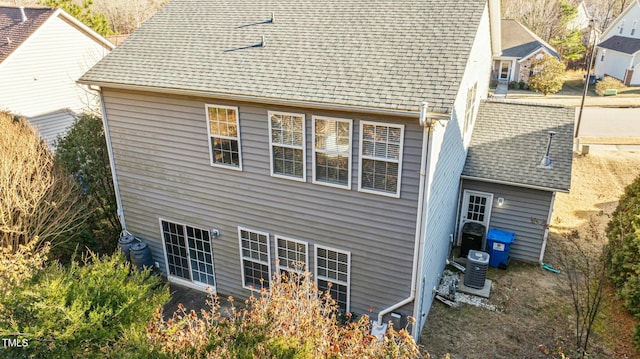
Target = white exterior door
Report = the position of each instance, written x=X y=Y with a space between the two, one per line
x=476 y=207
x=505 y=70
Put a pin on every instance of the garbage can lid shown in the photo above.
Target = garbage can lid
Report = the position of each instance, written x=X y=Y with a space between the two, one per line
x=473 y=228
x=138 y=246
x=502 y=236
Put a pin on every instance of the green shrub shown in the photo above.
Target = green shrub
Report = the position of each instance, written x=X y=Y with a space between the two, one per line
x=608 y=83
x=522 y=85
x=82 y=309
x=623 y=232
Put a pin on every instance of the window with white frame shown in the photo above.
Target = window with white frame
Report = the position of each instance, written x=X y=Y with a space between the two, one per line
x=287 y=139
x=224 y=136
x=292 y=255
x=255 y=258
x=333 y=272
x=471 y=103
x=633 y=27
x=380 y=158
x=188 y=253
x=621 y=27
x=332 y=151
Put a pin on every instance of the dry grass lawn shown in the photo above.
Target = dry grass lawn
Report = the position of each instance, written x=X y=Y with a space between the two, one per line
x=535 y=316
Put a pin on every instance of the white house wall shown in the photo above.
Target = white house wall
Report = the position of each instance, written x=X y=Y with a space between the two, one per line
x=625 y=20
x=447 y=160
x=40 y=76
x=613 y=64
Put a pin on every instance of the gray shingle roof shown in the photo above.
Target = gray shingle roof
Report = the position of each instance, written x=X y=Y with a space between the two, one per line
x=366 y=53
x=621 y=44
x=13 y=32
x=518 y=41
x=510 y=140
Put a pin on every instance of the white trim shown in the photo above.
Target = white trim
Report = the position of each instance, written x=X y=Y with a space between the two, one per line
x=306 y=254
x=112 y=163
x=303 y=147
x=59 y=13
x=179 y=280
x=348 y=283
x=210 y=136
x=243 y=258
x=509 y=72
x=313 y=151
x=398 y=161
x=545 y=237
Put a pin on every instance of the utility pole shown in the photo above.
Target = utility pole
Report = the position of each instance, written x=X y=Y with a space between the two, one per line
x=592 y=25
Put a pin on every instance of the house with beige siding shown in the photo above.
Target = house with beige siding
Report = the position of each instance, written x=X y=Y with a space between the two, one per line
x=43 y=52
x=618 y=53
x=252 y=138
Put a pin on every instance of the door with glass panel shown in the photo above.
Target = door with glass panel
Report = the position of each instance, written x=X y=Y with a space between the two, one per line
x=189 y=255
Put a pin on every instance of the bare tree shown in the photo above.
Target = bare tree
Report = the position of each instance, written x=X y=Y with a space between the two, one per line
x=37 y=200
x=586 y=270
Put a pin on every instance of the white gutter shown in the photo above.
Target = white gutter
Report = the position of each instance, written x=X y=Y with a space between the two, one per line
x=546 y=229
x=269 y=101
x=419 y=219
x=515 y=184
x=112 y=164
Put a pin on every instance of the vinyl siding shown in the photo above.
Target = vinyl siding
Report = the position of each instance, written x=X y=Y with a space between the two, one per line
x=447 y=158
x=53 y=125
x=521 y=206
x=161 y=154
x=40 y=76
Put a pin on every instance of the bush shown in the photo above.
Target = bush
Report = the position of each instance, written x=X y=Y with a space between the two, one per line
x=522 y=85
x=548 y=75
x=83 y=153
x=82 y=309
x=623 y=232
x=608 y=83
x=290 y=320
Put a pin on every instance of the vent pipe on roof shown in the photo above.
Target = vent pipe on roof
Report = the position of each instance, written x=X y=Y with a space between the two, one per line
x=273 y=17
x=546 y=160
x=263 y=43
x=23 y=16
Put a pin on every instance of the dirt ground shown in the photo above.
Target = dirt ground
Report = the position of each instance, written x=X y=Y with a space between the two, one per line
x=534 y=317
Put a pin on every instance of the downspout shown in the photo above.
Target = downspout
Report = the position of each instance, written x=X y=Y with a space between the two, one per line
x=112 y=164
x=380 y=327
x=546 y=228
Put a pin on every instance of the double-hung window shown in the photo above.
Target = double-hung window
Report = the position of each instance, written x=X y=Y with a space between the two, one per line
x=332 y=151
x=380 y=158
x=292 y=255
x=287 y=139
x=333 y=271
x=470 y=109
x=255 y=258
x=224 y=136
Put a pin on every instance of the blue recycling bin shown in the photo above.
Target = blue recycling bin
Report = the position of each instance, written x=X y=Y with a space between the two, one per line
x=499 y=242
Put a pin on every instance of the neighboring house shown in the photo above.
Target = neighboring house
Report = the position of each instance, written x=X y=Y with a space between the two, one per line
x=505 y=170
x=245 y=137
x=619 y=50
x=43 y=52
x=520 y=47
x=581 y=21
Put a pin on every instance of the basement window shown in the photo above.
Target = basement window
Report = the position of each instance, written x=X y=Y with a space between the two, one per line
x=333 y=271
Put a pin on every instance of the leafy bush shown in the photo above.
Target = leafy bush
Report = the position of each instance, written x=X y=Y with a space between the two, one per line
x=81 y=309
x=608 y=83
x=290 y=320
x=522 y=85
x=623 y=232
x=83 y=153
x=548 y=75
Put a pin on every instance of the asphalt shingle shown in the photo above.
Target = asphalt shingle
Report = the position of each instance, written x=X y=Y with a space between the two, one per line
x=379 y=54
x=510 y=140
x=13 y=32
x=518 y=41
x=623 y=44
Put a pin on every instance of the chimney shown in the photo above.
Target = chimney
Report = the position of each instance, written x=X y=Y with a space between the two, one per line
x=23 y=15
x=494 y=27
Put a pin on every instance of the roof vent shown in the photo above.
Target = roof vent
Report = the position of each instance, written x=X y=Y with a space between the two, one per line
x=8 y=41
x=263 y=42
x=23 y=16
x=273 y=17
x=546 y=160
